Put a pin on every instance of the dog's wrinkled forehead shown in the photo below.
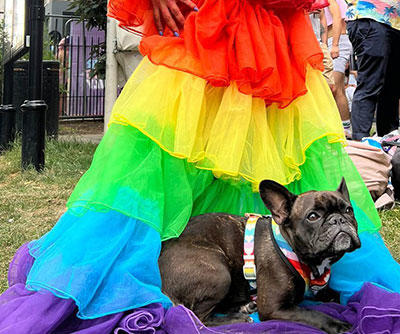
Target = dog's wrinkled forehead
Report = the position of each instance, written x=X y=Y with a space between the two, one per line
x=328 y=201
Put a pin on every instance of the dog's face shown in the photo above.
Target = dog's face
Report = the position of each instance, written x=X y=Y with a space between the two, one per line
x=318 y=225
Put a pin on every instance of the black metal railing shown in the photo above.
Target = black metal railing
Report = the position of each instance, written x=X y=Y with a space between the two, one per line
x=81 y=92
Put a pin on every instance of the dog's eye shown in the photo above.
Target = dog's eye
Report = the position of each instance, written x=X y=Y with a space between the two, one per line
x=313 y=216
x=349 y=210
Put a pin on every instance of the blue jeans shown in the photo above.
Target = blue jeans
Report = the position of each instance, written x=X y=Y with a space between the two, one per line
x=377 y=47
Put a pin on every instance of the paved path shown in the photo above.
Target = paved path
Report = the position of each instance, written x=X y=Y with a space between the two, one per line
x=93 y=138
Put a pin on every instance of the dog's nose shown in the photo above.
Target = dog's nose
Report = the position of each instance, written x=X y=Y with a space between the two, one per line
x=337 y=220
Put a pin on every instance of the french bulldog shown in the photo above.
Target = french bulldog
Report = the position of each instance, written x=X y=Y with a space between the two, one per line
x=203 y=268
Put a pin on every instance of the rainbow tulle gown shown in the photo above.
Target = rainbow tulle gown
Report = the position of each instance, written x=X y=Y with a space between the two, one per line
x=239 y=97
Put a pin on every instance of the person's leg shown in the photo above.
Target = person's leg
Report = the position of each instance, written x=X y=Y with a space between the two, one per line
x=339 y=67
x=371 y=44
x=387 y=114
x=342 y=103
x=340 y=96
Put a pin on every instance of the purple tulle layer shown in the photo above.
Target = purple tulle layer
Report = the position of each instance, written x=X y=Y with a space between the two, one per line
x=371 y=310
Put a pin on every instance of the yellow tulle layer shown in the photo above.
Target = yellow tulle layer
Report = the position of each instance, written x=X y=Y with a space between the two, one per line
x=223 y=130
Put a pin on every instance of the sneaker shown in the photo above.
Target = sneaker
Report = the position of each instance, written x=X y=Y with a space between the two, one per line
x=348 y=133
x=347 y=129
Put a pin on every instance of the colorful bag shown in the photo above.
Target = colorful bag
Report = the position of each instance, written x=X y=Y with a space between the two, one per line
x=374 y=166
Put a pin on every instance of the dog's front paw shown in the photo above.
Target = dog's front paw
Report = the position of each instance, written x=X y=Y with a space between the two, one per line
x=337 y=327
x=328 y=295
x=249 y=320
x=248 y=308
x=227 y=319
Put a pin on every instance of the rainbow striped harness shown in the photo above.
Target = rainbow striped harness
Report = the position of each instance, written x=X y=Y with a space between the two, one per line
x=312 y=284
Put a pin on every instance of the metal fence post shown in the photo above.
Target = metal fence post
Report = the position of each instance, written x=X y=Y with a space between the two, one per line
x=34 y=110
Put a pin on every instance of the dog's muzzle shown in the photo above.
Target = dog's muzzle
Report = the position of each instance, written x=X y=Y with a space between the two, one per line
x=344 y=234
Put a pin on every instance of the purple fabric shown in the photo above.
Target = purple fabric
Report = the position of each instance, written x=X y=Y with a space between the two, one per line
x=72 y=324
x=24 y=311
x=145 y=320
x=371 y=310
x=20 y=266
x=181 y=320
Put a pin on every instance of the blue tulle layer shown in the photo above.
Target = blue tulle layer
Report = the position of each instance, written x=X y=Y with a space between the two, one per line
x=106 y=262
x=371 y=263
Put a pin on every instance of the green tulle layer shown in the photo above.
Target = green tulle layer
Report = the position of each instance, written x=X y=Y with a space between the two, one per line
x=131 y=174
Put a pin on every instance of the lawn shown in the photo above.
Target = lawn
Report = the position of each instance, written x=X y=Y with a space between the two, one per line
x=31 y=203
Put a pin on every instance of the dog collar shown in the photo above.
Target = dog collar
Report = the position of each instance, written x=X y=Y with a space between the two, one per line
x=249 y=268
x=289 y=257
x=312 y=284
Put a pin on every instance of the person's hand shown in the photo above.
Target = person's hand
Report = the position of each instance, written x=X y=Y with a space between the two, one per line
x=334 y=51
x=167 y=11
x=355 y=73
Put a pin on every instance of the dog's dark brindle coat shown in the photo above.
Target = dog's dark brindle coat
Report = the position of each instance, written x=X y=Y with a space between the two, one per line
x=203 y=268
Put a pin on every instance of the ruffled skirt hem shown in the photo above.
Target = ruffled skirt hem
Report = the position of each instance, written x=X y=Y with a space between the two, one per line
x=222 y=130
x=264 y=51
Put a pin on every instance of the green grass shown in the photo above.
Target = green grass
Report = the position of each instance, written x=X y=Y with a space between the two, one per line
x=31 y=202
x=391 y=230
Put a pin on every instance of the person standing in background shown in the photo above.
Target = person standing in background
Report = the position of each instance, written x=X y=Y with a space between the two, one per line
x=374 y=30
x=318 y=22
x=341 y=49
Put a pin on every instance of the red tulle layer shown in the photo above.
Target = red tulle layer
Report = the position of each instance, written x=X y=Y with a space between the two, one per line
x=265 y=51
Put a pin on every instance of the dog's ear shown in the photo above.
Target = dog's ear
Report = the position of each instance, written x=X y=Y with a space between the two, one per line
x=277 y=199
x=343 y=189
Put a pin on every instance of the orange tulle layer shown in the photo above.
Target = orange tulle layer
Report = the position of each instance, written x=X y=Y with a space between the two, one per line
x=265 y=51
